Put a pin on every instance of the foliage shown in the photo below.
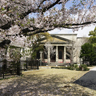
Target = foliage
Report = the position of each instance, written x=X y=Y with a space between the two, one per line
x=82 y=67
x=59 y=67
x=88 y=53
x=15 y=54
x=92 y=38
x=15 y=58
x=88 y=50
x=35 y=43
x=72 y=67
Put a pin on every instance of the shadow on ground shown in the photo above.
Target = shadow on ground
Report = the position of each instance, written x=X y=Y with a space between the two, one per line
x=88 y=80
x=40 y=85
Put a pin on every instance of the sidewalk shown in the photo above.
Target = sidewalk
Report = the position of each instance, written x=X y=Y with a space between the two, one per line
x=88 y=80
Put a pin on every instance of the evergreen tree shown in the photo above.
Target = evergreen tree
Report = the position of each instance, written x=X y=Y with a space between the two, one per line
x=88 y=53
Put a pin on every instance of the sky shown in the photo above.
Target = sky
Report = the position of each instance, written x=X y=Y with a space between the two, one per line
x=80 y=33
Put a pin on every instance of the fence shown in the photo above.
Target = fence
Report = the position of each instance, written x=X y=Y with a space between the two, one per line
x=8 y=68
x=30 y=64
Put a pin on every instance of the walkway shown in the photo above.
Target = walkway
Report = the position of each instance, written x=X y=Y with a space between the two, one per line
x=88 y=79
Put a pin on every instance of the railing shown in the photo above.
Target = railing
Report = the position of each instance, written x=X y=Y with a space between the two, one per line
x=30 y=64
x=8 y=68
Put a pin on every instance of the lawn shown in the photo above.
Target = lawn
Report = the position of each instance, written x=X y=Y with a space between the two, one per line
x=45 y=82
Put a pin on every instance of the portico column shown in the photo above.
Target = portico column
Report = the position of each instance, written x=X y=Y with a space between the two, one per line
x=56 y=53
x=48 y=54
x=41 y=55
x=64 y=54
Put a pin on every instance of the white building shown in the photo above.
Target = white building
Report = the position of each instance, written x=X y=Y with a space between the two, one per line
x=67 y=48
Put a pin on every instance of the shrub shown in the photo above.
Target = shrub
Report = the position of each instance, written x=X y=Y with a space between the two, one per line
x=75 y=66
x=61 y=67
x=83 y=67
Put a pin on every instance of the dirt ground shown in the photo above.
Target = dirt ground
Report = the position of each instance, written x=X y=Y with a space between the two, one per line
x=45 y=82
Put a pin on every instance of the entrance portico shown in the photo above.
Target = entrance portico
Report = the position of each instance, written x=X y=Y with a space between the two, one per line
x=59 y=56
x=61 y=43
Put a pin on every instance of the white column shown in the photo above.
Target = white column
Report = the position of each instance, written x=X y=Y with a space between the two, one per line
x=64 y=54
x=56 y=53
x=48 y=54
x=41 y=55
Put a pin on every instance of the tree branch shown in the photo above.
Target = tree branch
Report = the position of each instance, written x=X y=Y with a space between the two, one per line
x=50 y=6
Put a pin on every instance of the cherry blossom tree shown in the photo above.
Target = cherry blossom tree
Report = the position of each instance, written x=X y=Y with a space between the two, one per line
x=45 y=16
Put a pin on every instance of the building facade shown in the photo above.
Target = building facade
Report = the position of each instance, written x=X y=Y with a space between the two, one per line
x=67 y=49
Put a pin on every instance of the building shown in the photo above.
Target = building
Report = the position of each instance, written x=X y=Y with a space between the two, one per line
x=67 y=49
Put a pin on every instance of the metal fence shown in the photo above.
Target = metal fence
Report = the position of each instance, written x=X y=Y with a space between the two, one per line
x=30 y=64
x=8 y=68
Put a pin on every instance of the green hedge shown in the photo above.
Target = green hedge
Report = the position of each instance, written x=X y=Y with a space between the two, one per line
x=82 y=67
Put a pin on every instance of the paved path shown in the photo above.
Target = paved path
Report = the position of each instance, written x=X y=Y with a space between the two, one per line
x=88 y=79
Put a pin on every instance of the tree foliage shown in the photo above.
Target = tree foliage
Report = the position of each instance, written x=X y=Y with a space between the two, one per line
x=88 y=53
x=15 y=58
x=34 y=42
x=92 y=38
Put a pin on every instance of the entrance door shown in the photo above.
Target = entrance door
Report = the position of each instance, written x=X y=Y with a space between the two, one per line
x=61 y=55
x=53 y=58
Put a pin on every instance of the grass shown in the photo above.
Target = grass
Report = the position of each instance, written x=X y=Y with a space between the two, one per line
x=63 y=77
x=69 y=74
x=47 y=82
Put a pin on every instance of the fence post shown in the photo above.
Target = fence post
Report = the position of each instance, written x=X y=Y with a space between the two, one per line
x=0 y=68
x=18 y=68
x=37 y=64
x=26 y=65
x=0 y=72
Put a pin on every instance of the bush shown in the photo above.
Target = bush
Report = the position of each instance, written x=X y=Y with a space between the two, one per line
x=75 y=66
x=61 y=67
x=82 y=67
